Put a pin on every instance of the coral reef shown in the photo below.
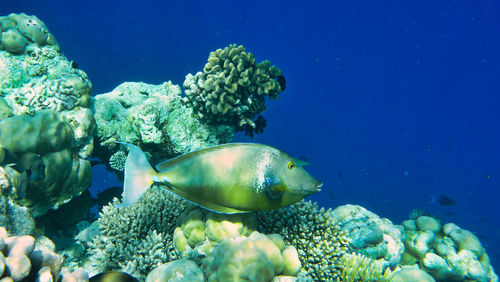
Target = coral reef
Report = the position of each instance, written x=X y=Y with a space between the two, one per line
x=153 y=117
x=40 y=77
x=313 y=232
x=26 y=259
x=370 y=235
x=232 y=89
x=56 y=174
x=44 y=117
x=138 y=238
x=446 y=252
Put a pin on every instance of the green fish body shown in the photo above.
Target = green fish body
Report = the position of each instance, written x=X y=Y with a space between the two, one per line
x=229 y=178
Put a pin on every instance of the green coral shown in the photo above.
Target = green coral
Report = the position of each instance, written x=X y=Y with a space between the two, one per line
x=357 y=267
x=199 y=231
x=232 y=88
x=313 y=232
x=253 y=258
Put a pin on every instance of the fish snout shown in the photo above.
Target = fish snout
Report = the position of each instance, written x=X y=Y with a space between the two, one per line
x=318 y=186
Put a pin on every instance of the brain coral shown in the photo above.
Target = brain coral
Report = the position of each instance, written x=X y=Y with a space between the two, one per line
x=312 y=231
x=232 y=89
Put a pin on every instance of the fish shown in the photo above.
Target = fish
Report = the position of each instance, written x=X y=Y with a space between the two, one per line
x=113 y=276
x=229 y=178
x=443 y=200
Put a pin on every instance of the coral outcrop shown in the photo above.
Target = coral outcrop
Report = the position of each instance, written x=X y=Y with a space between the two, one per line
x=44 y=116
x=232 y=89
x=40 y=77
x=445 y=251
x=56 y=173
x=153 y=117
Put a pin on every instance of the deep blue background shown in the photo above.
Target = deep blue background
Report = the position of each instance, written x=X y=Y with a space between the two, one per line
x=393 y=103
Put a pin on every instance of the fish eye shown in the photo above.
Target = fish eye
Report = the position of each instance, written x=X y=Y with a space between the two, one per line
x=291 y=165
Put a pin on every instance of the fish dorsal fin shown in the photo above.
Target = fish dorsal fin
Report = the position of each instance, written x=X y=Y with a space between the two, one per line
x=163 y=166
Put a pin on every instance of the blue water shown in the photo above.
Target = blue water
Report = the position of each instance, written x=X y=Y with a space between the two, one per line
x=394 y=102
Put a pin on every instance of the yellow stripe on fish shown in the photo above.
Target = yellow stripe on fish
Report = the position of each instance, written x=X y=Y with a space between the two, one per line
x=229 y=178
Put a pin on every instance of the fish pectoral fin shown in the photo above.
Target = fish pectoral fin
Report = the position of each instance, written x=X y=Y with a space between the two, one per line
x=274 y=194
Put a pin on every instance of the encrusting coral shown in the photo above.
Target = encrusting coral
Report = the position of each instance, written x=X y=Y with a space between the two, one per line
x=232 y=89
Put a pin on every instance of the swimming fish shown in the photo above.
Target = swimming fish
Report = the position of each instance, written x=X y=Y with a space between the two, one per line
x=229 y=178
x=113 y=276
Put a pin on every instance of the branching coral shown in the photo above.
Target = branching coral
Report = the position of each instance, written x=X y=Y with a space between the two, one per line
x=232 y=88
x=313 y=233
x=137 y=238
x=357 y=267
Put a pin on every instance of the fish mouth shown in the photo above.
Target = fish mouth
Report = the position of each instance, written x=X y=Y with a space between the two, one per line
x=318 y=186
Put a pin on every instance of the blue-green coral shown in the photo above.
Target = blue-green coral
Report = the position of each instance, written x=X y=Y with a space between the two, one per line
x=153 y=117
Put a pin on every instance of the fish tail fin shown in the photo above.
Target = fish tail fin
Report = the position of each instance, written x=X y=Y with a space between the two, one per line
x=138 y=175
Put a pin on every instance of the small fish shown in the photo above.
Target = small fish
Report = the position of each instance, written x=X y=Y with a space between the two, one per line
x=229 y=178
x=113 y=276
x=443 y=200
x=340 y=174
